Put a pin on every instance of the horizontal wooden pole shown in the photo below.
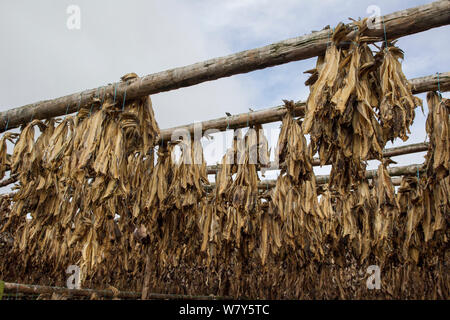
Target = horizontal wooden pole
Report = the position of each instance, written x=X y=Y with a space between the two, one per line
x=8 y=181
x=434 y=82
x=37 y=289
x=237 y=121
x=273 y=114
x=390 y=152
x=408 y=170
x=397 y=24
x=7 y=195
x=395 y=181
x=242 y=120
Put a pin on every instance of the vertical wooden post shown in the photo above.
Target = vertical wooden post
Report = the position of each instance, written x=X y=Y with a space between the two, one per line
x=146 y=282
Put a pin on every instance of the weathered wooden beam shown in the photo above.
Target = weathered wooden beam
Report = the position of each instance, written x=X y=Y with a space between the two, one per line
x=408 y=170
x=395 y=181
x=7 y=195
x=37 y=289
x=370 y=174
x=398 y=151
x=242 y=120
x=390 y=152
x=397 y=24
x=237 y=121
x=438 y=81
x=8 y=181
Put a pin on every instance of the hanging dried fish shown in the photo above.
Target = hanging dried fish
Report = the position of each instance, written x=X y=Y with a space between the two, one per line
x=340 y=113
x=438 y=130
x=294 y=198
x=396 y=108
x=241 y=211
x=75 y=182
x=4 y=157
x=436 y=183
x=186 y=204
x=386 y=214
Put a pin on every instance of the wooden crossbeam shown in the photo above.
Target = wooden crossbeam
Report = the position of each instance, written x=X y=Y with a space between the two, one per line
x=390 y=152
x=412 y=169
x=242 y=120
x=213 y=169
x=37 y=289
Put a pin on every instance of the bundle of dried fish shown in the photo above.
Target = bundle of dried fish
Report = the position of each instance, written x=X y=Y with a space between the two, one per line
x=212 y=224
x=339 y=113
x=436 y=182
x=386 y=215
x=33 y=205
x=242 y=194
x=294 y=198
x=215 y=242
x=189 y=176
x=352 y=224
x=396 y=108
x=235 y=230
x=6 y=239
x=154 y=194
x=4 y=157
x=179 y=230
x=158 y=187
x=78 y=187
x=409 y=197
x=423 y=200
x=181 y=219
x=438 y=129
x=111 y=143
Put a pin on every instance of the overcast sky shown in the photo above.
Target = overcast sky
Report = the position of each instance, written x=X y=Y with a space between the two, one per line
x=40 y=58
